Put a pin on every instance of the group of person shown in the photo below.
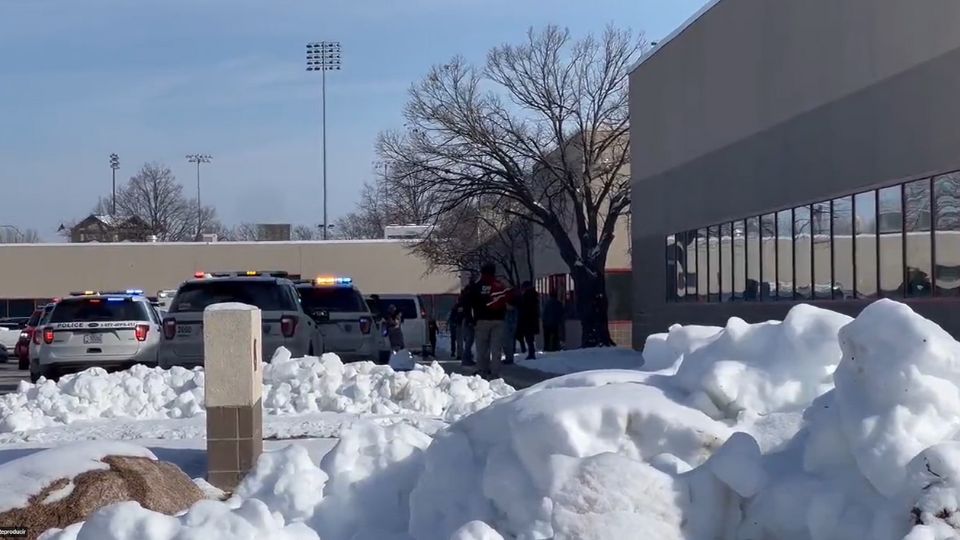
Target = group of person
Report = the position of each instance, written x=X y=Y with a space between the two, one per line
x=493 y=318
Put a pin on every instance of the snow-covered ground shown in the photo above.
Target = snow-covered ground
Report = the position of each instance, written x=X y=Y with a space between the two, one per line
x=577 y=360
x=292 y=388
x=818 y=427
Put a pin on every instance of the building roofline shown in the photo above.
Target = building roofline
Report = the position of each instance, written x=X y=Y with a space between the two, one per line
x=673 y=35
x=218 y=243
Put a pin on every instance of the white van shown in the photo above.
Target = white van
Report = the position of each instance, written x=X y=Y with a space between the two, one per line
x=415 y=325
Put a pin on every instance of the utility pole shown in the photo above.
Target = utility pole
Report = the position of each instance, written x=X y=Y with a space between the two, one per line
x=324 y=56
x=198 y=159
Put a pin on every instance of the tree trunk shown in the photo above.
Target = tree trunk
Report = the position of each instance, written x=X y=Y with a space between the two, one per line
x=591 y=298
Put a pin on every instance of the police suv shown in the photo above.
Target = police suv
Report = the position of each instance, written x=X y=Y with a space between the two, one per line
x=348 y=327
x=112 y=330
x=284 y=321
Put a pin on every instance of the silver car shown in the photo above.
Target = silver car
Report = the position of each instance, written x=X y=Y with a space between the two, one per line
x=284 y=321
x=109 y=330
x=345 y=321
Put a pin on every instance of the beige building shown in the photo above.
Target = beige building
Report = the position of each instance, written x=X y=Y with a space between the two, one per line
x=34 y=272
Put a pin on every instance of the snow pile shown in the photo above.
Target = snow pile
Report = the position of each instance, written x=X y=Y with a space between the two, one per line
x=30 y=474
x=756 y=368
x=292 y=386
x=878 y=454
x=544 y=456
x=209 y=520
x=577 y=360
x=606 y=454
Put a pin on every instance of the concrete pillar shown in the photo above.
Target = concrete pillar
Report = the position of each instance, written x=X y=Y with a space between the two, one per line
x=233 y=388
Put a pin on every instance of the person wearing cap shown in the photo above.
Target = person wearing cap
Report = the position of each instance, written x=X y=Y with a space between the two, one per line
x=489 y=301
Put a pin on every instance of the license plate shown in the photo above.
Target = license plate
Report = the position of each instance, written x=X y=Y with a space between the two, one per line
x=183 y=330
x=92 y=338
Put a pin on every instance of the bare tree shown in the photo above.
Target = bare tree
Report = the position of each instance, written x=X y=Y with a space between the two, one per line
x=14 y=235
x=543 y=125
x=368 y=219
x=305 y=232
x=154 y=196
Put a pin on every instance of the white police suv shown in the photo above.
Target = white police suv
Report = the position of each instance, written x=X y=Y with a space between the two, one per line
x=112 y=330
x=284 y=321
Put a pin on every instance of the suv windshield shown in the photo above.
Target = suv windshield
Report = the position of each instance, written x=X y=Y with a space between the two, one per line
x=266 y=295
x=99 y=309
x=332 y=299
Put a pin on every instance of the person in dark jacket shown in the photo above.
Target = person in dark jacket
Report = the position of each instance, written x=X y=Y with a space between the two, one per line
x=394 y=324
x=454 y=320
x=528 y=323
x=552 y=322
x=467 y=324
x=489 y=301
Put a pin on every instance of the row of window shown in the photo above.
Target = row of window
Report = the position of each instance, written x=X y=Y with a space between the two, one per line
x=898 y=241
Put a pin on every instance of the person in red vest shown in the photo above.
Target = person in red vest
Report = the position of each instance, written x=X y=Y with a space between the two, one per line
x=489 y=301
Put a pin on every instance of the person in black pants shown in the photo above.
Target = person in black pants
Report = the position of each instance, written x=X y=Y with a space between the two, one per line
x=552 y=322
x=528 y=325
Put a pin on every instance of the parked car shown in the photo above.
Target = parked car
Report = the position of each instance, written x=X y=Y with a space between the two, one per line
x=22 y=350
x=285 y=323
x=14 y=323
x=36 y=338
x=111 y=330
x=344 y=319
x=415 y=327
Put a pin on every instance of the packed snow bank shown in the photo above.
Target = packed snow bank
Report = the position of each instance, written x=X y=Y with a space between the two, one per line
x=755 y=368
x=209 y=520
x=535 y=451
x=585 y=360
x=26 y=476
x=878 y=453
x=292 y=386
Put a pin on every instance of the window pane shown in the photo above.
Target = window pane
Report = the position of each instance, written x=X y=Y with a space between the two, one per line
x=785 y=255
x=802 y=257
x=739 y=259
x=865 y=244
x=890 y=225
x=673 y=269
x=752 y=291
x=713 y=263
x=843 y=248
x=690 y=251
x=726 y=263
x=768 y=248
x=916 y=196
x=702 y=270
x=946 y=204
x=822 y=255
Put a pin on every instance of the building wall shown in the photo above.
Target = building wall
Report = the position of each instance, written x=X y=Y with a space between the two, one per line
x=49 y=270
x=759 y=106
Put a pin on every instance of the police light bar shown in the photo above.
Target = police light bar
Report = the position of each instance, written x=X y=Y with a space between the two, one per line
x=333 y=280
x=83 y=293
x=130 y=292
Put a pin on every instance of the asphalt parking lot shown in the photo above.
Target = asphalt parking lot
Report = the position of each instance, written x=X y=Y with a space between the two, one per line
x=10 y=376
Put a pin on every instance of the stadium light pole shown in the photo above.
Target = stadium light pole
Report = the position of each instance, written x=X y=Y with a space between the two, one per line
x=324 y=56
x=198 y=159
x=114 y=165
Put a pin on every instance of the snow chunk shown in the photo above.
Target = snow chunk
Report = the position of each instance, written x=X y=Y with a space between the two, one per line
x=764 y=368
x=476 y=530
x=897 y=390
x=526 y=448
x=287 y=481
x=28 y=475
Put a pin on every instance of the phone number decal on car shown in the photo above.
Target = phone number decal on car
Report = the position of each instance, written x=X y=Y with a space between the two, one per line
x=108 y=324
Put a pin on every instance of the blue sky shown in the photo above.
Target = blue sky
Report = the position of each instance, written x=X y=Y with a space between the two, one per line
x=153 y=80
